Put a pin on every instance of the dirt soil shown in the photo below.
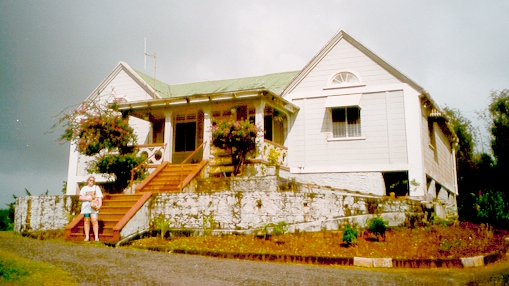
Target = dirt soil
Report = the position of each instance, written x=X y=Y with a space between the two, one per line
x=428 y=242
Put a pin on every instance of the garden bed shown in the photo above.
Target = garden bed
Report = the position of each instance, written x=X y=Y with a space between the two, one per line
x=428 y=246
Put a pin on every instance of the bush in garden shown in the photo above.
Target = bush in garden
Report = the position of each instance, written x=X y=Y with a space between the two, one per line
x=377 y=226
x=237 y=137
x=350 y=235
x=120 y=165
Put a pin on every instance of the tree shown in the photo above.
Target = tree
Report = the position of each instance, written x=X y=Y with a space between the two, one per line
x=473 y=168
x=481 y=176
x=99 y=129
x=499 y=113
x=237 y=137
x=7 y=216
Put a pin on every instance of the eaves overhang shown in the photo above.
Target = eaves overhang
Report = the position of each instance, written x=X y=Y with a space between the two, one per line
x=436 y=114
x=269 y=97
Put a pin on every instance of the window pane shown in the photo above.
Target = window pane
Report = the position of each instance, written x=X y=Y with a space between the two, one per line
x=354 y=122
x=339 y=122
x=339 y=129
x=346 y=122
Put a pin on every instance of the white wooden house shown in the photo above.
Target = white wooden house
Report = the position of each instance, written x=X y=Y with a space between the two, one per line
x=346 y=120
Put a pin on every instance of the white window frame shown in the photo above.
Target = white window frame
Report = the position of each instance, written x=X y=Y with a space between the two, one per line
x=353 y=132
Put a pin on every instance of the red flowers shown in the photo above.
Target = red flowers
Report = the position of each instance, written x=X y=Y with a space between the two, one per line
x=238 y=137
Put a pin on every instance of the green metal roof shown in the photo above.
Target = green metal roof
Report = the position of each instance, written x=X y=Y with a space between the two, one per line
x=273 y=82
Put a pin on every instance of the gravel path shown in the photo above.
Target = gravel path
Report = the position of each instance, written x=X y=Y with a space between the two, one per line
x=93 y=264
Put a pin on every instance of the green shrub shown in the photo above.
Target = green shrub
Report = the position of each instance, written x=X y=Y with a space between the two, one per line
x=492 y=208
x=280 y=228
x=162 y=225
x=377 y=226
x=236 y=136
x=269 y=229
x=350 y=235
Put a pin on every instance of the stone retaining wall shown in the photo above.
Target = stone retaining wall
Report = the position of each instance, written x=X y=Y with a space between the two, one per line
x=245 y=204
x=235 y=205
x=39 y=213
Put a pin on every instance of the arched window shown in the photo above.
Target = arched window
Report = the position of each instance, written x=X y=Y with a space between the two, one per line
x=344 y=78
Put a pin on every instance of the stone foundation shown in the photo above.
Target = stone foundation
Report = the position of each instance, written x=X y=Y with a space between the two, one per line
x=241 y=205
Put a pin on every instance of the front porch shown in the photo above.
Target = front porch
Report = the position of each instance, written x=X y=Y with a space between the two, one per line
x=173 y=177
x=177 y=130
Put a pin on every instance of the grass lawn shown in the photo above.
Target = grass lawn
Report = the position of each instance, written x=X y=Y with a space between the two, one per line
x=15 y=270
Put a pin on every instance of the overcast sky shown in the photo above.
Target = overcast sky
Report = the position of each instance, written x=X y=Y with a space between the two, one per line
x=53 y=54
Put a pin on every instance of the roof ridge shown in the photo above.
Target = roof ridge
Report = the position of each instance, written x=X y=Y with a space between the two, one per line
x=215 y=80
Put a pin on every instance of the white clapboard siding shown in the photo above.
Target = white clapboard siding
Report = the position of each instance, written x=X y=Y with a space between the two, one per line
x=124 y=86
x=345 y=57
x=440 y=166
x=383 y=126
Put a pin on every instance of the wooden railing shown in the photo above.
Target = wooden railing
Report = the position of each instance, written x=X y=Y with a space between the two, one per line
x=185 y=160
x=275 y=153
x=125 y=219
x=153 y=152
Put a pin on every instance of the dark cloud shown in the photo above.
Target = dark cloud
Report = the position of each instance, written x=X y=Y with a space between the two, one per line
x=54 y=53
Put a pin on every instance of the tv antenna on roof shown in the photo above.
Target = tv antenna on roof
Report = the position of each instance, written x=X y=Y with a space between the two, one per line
x=145 y=63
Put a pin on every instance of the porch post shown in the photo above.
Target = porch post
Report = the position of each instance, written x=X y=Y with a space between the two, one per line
x=260 y=121
x=207 y=135
x=168 y=136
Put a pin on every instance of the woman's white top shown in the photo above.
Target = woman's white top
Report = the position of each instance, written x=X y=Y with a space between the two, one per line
x=89 y=191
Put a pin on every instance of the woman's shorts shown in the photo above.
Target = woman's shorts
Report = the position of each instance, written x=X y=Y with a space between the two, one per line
x=96 y=215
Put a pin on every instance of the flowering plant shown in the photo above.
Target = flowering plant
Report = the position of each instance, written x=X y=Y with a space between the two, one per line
x=99 y=129
x=236 y=136
x=94 y=127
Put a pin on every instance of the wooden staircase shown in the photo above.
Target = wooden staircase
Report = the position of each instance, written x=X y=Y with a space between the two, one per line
x=116 y=211
x=170 y=177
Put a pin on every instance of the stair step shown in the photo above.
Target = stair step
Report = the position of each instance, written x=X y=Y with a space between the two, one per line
x=170 y=178
x=114 y=205
x=172 y=190
x=106 y=231
x=162 y=184
x=116 y=208
x=117 y=216
x=81 y=237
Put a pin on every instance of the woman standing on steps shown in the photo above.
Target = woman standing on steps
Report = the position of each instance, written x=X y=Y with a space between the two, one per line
x=88 y=194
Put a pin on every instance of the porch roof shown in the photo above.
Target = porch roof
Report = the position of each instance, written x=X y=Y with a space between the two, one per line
x=275 y=83
x=266 y=87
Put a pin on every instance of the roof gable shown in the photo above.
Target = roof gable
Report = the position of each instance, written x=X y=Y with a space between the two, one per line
x=119 y=68
x=338 y=37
